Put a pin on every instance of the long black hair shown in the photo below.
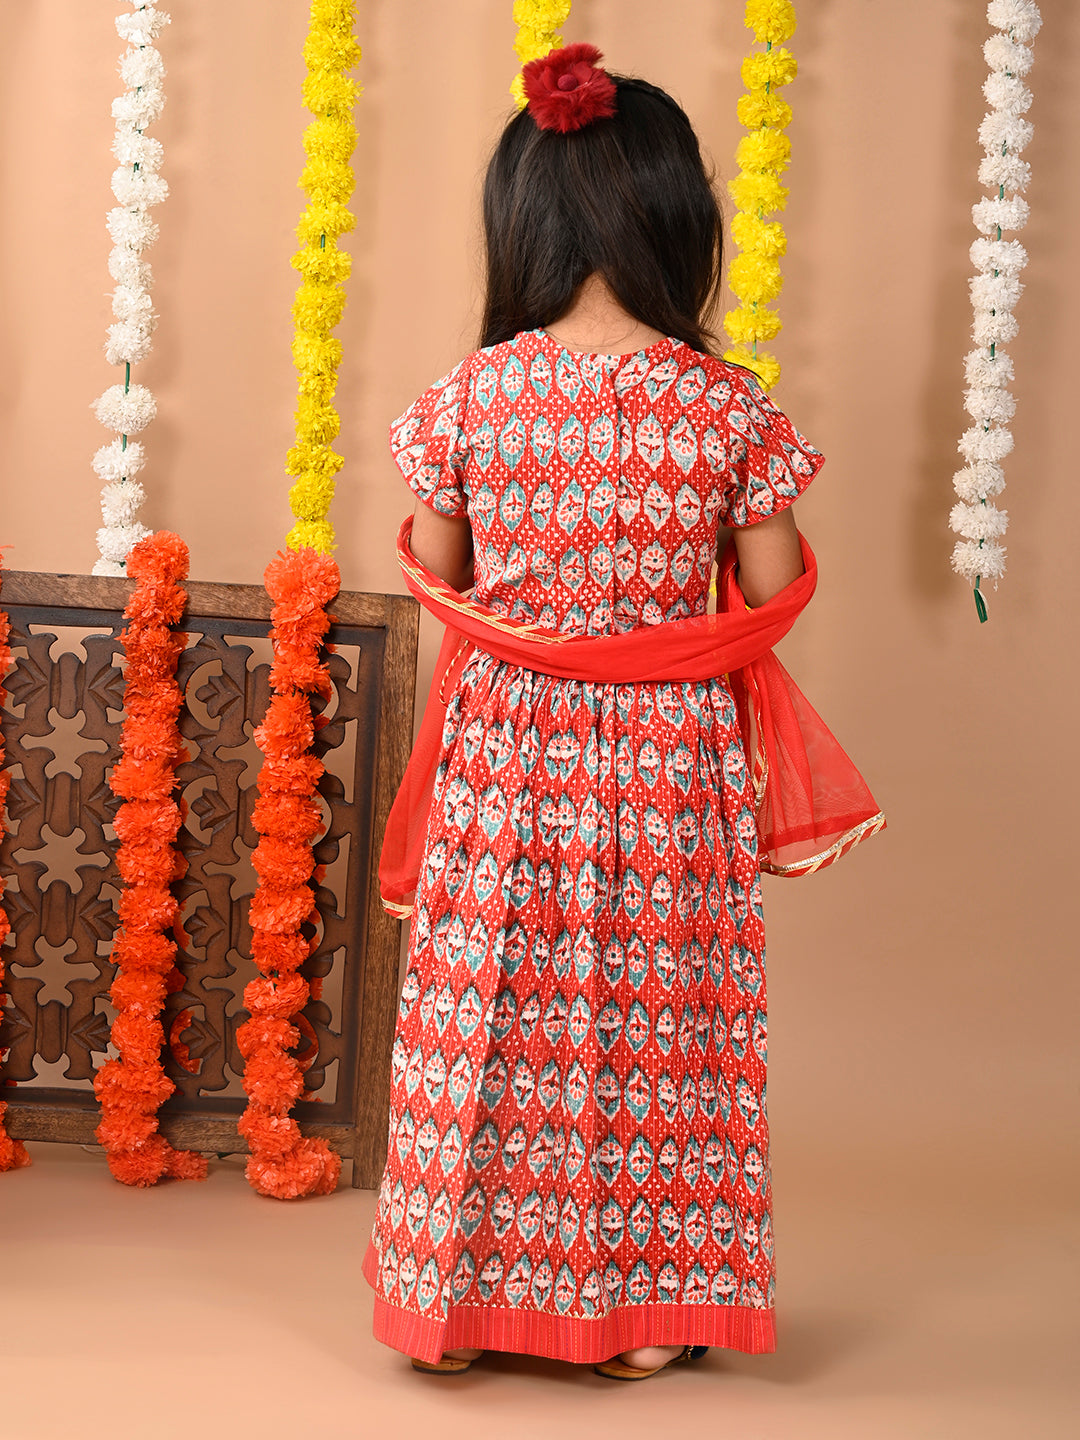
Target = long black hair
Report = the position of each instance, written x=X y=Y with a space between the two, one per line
x=626 y=197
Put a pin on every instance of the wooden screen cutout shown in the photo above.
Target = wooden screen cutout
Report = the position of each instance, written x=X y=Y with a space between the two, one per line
x=62 y=730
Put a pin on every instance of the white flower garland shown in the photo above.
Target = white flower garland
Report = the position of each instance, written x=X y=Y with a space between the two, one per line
x=995 y=290
x=129 y=408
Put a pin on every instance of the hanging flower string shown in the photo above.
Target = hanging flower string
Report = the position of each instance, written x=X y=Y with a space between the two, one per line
x=329 y=140
x=287 y=817
x=995 y=289
x=132 y=1087
x=138 y=186
x=762 y=155
x=13 y=1153
x=539 y=23
x=301 y=582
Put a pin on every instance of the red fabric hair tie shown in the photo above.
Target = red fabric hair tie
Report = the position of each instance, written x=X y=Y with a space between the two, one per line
x=566 y=89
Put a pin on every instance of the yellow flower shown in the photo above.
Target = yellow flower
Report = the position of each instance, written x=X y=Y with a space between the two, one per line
x=758 y=192
x=330 y=43
x=310 y=497
x=763 y=150
x=316 y=354
x=326 y=93
x=765 y=367
x=316 y=534
x=748 y=325
x=770 y=20
x=326 y=179
x=314 y=463
x=323 y=266
x=330 y=137
x=755 y=278
x=771 y=67
x=753 y=234
x=316 y=422
x=331 y=218
x=758 y=108
x=318 y=308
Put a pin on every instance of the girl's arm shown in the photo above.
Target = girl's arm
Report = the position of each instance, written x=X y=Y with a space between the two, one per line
x=444 y=544
x=769 y=556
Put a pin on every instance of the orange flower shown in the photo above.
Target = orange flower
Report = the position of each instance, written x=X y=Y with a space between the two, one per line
x=281 y=998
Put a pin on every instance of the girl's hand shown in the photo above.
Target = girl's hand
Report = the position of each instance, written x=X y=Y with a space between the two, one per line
x=770 y=556
x=444 y=544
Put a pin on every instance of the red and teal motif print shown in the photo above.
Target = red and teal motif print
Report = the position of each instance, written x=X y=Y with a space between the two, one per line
x=579 y=1155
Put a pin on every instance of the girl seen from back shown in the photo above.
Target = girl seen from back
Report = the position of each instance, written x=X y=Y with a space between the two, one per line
x=578 y=1163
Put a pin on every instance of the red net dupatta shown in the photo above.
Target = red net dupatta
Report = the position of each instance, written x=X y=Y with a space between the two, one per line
x=813 y=806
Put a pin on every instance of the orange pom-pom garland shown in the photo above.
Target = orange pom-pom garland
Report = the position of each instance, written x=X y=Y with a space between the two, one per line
x=132 y=1087
x=283 y=1163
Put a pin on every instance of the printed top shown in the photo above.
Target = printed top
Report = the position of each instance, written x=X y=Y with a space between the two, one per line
x=595 y=484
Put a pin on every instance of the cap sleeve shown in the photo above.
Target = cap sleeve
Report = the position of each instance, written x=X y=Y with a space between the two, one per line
x=428 y=443
x=768 y=463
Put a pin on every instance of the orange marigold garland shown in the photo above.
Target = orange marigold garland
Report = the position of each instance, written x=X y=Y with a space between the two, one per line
x=285 y=1164
x=132 y=1087
x=12 y=1152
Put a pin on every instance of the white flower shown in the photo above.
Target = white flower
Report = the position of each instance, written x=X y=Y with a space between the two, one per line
x=978 y=480
x=120 y=503
x=978 y=522
x=107 y=567
x=993 y=214
x=142 y=27
x=142 y=68
x=982 y=369
x=128 y=342
x=994 y=292
x=994 y=327
x=132 y=229
x=980 y=444
x=1000 y=130
x=1001 y=53
x=115 y=542
x=1007 y=93
x=138 y=188
x=132 y=147
x=970 y=558
x=128 y=413
x=1008 y=256
x=114 y=462
x=139 y=108
x=1004 y=169
x=126 y=268
x=132 y=302
x=1020 y=18
x=988 y=405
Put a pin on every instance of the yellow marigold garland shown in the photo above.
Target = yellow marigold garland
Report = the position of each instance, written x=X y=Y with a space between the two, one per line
x=327 y=179
x=538 y=22
x=762 y=155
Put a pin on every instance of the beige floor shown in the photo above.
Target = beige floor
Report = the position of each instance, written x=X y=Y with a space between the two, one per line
x=900 y=1316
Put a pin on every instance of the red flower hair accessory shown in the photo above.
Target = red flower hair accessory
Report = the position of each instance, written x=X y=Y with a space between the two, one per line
x=566 y=89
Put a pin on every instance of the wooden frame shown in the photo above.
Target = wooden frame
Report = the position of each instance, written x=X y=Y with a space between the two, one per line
x=60 y=920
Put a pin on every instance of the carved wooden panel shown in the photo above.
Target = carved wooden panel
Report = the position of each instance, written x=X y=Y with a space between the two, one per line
x=62 y=725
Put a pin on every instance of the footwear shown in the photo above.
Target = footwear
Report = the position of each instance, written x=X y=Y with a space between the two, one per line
x=446 y=1366
x=617 y=1369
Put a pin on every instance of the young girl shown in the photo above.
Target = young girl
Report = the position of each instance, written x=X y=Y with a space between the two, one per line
x=579 y=1157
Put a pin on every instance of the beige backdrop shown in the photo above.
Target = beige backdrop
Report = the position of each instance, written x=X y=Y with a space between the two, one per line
x=923 y=992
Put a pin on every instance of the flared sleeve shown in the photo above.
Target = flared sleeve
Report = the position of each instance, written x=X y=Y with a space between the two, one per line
x=429 y=445
x=767 y=463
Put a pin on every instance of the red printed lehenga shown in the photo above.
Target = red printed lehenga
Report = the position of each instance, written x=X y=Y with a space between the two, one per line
x=579 y=1155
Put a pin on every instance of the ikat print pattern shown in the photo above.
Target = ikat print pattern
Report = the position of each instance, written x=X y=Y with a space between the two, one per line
x=578 y=1111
